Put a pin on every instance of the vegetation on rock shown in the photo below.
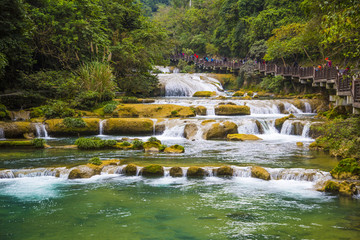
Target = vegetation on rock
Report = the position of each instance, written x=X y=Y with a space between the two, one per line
x=153 y=170
x=242 y=137
x=204 y=94
x=94 y=143
x=259 y=172
x=195 y=172
x=175 y=149
x=348 y=168
x=232 y=110
x=225 y=171
x=95 y=161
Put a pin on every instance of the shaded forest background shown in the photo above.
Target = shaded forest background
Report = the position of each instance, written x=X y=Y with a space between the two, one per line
x=80 y=52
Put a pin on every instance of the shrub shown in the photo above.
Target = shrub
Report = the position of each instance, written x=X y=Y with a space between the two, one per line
x=109 y=108
x=129 y=100
x=38 y=142
x=94 y=143
x=57 y=109
x=349 y=165
x=138 y=144
x=126 y=144
x=273 y=84
x=95 y=161
x=71 y=122
x=154 y=139
x=3 y=112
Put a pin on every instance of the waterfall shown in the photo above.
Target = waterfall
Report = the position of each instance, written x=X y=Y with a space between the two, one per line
x=41 y=130
x=2 y=133
x=287 y=127
x=138 y=169
x=174 y=128
x=268 y=126
x=243 y=172
x=166 y=171
x=291 y=108
x=154 y=126
x=185 y=85
x=101 y=127
x=298 y=174
x=248 y=127
x=184 y=170
x=307 y=107
x=306 y=130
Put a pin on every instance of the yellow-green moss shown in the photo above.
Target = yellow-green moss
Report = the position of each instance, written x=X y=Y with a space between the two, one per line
x=224 y=171
x=259 y=172
x=239 y=93
x=7 y=144
x=152 y=170
x=56 y=127
x=280 y=121
x=246 y=98
x=204 y=94
x=17 y=129
x=200 y=110
x=195 y=172
x=175 y=149
x=207 y=121
x=176 y=172
x=242 y=137
x=220 y=130
x=130 y=170
x=153 y=111
x=232 y=110
x=128 y=126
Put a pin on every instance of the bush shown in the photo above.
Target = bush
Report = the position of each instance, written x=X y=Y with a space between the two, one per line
x=349 y=165
x=154 y=139
x=3 y=112
x=109 y=108
x=38 y=142
x=129 y=100
x=138 y=144
x=71 y=122
x=273 y=84
x=126 y=144
x=95 y=161
x=57 y=109
x=94 y=143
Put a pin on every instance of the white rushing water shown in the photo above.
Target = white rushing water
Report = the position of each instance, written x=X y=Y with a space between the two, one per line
x=2 y=133
x=41 y=130
x=185 y=85
x=101 y=127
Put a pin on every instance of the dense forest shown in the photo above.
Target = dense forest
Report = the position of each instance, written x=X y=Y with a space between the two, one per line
x=83 y=51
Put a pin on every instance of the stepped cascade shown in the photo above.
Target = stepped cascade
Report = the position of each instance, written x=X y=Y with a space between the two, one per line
x=218 y=183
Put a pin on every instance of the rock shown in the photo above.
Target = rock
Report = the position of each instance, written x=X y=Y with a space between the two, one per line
x=227 y=103
x=259 y=172
x=29 y=136
x=55 y=127
x=176 y=172
x=201 y=110
x=207 y=121
x=204 y=94
x=160 y=128
x=315 y=130
x=17 y=129
x=299 y=104
x=152 y=146
x=190 y=130
x=154 y=111
x=247 y=98
x=281 y=107
x=299 y=144
x=83 y=171
x=280 y=121
x=348 y=168
x=220 y=130
x=242 y=137
x=175 y=149
x=153 y=170
x=345 y=188
x=298 y=128
x=250 y=93
x=232 y=110
x=195 y=172
x=130 y=170
x=129 y=126
x=238 y=94
x=224 y=171
x=260 y=127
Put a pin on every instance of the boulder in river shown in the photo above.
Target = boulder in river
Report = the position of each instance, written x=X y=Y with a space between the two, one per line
x=220 y=130
x=259 y=172
x=129 y=126
x=190 y=130
x=280 y=121
x=224 y=171
x=232 y=110
x=152 y=170
x=242 y=137
x=175 y=149
x=130 y=170
x=200 y=110
x=176 y=172
x=195 y=172
x=204 y=94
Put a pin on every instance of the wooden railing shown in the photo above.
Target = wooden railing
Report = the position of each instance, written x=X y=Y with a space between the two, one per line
x=356 y=90
x=344 y=83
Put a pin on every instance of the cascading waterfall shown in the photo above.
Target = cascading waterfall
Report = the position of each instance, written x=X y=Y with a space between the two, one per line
x=306 y=130
x=287 y=127
x=185 y=85
x=291 y=108
x=101 y=127
x=307 y=107
x=2 y=133
x=41 y=130
x=154 y=126
x=248 y=127
x=296 y=174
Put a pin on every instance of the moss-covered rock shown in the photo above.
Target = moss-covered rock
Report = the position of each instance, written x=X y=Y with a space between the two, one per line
x=17 y=129
x=232 y=110
x=220 y=130
x=130 y=126
x=280 y=121
x=83 y=171
x=176 y=172
x=153 y=111
x=259 y=172
x=10 y=144
x=152 y=146
x=204 y=94
x=348 y=168
x=207 y=121
x=56 y=127
x=190 y=130
x=195 y=172
x=315 y=131
x=174 y=149
x=242 y=137
x=224 y=171
x=201 y=110
x=153 y=170
x=130 y=170
x=250 y=93
x=238 y=93
x=299 y=144
x=246 y=98
x=344 y=188
x=299 y=104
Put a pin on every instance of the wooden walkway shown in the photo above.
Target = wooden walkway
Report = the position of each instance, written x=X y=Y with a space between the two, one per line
x=347 y=88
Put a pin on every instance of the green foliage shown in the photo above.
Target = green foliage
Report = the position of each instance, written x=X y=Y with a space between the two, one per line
x=94 y=143
x=95 y=161
x=71 y=122
x=125 y=144
x=57 y=109
x=273 y=84
x=154 y=139
x=138 y=144
x=347 y=165
x=340 y=137
x=109 y=108
x=3 y=112
x=38 y=142
x=129 y=99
